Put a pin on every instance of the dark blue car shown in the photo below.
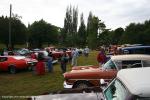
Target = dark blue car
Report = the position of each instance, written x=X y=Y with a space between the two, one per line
x=136 y=50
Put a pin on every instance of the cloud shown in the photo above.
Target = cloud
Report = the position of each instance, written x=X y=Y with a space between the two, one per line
x=115 y=13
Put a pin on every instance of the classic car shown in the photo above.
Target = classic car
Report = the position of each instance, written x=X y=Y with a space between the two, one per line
x=87 y=76
x=14 y=63
x=130 y=84
x=58 y=54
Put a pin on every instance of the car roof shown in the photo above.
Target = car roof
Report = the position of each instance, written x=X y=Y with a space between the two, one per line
x=136 y=80
x=135 y=47
x=131 y=57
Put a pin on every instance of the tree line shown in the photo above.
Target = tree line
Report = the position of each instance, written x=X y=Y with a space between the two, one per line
x=93 y=34
x=36 y=34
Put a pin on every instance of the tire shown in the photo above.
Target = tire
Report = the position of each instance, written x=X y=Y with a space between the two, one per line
x=12 y=70
x=31 y=68
x=82 y=84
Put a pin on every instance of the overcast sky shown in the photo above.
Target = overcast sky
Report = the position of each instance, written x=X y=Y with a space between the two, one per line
x=114 y=13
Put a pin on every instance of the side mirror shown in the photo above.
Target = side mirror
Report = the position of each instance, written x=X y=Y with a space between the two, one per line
x=102 y=82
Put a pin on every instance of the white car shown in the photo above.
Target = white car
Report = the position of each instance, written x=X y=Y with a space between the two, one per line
x=130 y=84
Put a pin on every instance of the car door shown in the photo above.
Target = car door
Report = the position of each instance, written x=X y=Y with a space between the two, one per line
x=3 y=63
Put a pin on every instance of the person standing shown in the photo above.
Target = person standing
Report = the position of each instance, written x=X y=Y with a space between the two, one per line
x=75 y=55
x=49 y=62
x=40 y=66
x=86 y=51
x=63 y=61
x=101 y=57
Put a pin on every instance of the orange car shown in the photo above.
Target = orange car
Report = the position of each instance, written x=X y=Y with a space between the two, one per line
x=14 y=63
x=87 y=76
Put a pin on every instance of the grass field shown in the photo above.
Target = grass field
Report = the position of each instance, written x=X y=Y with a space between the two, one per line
x=27 y=84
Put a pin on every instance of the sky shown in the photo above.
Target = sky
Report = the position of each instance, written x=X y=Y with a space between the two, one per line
x=114 y=13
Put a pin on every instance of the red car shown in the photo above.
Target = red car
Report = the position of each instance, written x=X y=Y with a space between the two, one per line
x=58 y=54
x=14 y=63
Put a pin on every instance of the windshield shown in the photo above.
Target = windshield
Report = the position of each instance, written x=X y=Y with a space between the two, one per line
x=116 y=91
x=109 y=65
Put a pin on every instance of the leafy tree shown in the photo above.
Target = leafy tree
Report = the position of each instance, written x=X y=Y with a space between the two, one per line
x=70 y=26
x=94 y=28
x=82 y=32
x=105 y=38
x=41 y=33
x=18 y=31
x=116 y=35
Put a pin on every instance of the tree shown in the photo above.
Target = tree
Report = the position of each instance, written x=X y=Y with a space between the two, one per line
x=116 y=35
x=70 y=26
x=41 y=33
x=18 y=31
x=94 y=28
x=82 y=32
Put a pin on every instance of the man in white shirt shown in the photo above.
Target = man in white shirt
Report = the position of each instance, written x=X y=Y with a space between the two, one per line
x=86 y=51
x=75 y=55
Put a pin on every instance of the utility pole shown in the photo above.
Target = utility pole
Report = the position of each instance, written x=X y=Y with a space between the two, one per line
x=10 y=44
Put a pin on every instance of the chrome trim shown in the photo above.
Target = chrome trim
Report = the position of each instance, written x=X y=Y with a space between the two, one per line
x=66 y=86
x=89 y=79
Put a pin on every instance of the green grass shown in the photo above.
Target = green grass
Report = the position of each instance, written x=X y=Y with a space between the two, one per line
x=27 y=84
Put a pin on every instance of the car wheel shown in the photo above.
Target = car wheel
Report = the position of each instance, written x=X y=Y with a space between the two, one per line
x=12 y=70
x=82 y=84
x=31 y=68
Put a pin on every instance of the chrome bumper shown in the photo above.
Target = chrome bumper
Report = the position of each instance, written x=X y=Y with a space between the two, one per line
x=66 y=86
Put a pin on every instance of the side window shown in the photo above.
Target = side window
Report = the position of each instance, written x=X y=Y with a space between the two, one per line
x=146 y=63
x=131 y=64
x=116 y=91
x=2 y=59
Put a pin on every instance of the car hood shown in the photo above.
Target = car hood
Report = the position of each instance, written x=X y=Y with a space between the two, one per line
x=90 y=72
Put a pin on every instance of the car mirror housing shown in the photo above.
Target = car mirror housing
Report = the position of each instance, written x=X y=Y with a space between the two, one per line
x=102 y=82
